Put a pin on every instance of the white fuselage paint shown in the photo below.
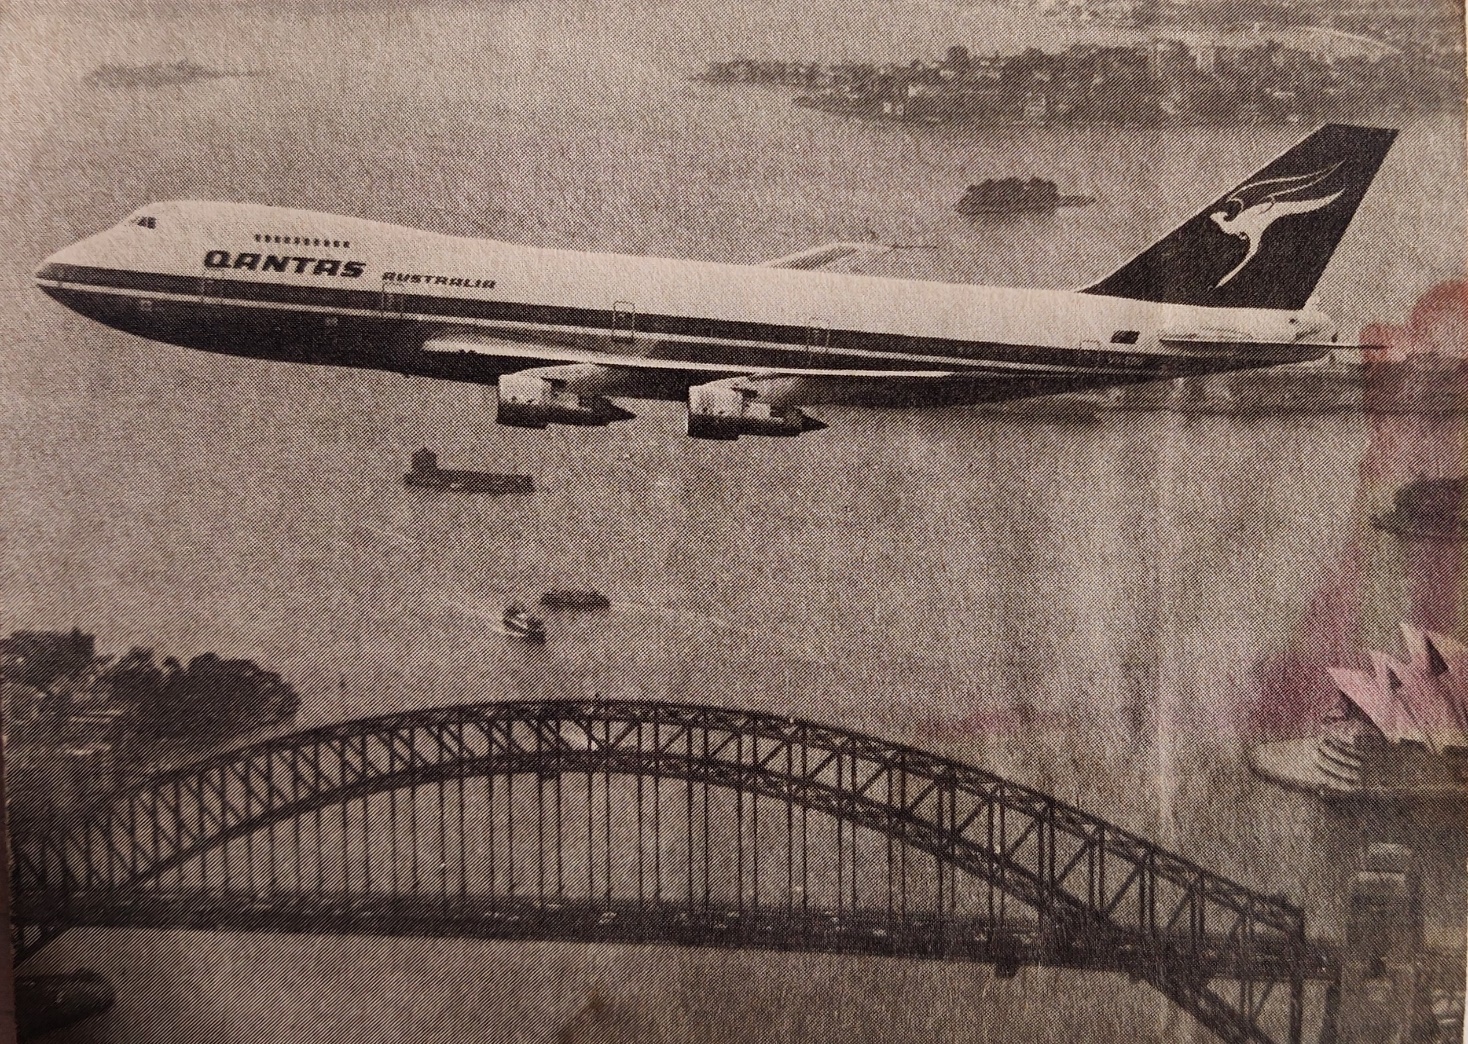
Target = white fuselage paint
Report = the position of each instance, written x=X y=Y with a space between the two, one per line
x=680 y=322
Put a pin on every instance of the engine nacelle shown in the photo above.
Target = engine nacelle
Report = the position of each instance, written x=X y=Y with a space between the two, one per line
x=722 y=410
x=527 y=401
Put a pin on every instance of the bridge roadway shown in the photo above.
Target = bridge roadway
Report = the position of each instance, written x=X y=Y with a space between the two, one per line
x=633 y=821
x=1007 y=947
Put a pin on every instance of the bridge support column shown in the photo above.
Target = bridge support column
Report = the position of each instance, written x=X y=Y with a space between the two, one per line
x=1381 y=986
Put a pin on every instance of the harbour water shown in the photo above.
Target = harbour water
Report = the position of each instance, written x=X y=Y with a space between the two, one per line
x=1100 y=610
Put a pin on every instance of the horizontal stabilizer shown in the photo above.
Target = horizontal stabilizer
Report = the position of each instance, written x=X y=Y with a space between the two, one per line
x=828 y=254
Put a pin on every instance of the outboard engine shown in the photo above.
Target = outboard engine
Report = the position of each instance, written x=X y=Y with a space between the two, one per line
x=727 y=410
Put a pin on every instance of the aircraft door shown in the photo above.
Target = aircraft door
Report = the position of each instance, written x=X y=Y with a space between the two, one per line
x=624 y=322
x=391 y=301
x=817 y=341
x=211 y=295
x=392 y=307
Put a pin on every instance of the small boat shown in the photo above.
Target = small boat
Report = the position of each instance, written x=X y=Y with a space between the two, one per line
x=519 y=623
x=426 y=474
x=575 y=601
x=1013 y=196
x=1428 y=509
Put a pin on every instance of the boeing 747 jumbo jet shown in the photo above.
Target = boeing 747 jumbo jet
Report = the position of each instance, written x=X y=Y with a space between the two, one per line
x=562 y=334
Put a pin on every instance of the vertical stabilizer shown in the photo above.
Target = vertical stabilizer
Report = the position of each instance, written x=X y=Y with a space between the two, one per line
x=1265 y=243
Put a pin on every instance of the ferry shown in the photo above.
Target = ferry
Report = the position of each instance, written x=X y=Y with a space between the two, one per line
x=519 y=623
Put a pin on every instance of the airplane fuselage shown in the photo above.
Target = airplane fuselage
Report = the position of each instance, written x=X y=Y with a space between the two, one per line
x=298 y=286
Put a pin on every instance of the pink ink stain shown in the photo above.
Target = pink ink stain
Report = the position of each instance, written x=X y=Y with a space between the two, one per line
x=1378 y=578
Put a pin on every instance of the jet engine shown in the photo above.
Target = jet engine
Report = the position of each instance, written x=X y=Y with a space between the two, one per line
x=529 y=400
x=728 y=409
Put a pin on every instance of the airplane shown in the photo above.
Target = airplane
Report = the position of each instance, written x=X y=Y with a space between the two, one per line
x=747 y=347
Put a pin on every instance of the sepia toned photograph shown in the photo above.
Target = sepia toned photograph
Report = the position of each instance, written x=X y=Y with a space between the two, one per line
x=655 y=522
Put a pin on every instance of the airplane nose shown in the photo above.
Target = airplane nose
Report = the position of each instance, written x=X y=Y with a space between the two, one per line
x=51 y=274
x=48 y=276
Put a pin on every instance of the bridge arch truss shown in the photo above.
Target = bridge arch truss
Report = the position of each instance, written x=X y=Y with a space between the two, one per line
x=641 y=821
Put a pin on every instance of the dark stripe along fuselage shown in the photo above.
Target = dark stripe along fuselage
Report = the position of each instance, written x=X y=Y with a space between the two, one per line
x=387 y=328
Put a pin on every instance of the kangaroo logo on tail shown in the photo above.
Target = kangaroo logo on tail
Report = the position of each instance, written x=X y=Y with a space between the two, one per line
x=1323 y=178
x=1255 y=206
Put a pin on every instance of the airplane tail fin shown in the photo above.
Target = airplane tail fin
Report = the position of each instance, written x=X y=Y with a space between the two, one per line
x=1265 y=243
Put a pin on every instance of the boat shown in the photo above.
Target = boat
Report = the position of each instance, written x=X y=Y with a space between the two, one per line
x=1013 y=196
x=426 y=474
x=519 y=623
x=575 y=601
x=1428 y=509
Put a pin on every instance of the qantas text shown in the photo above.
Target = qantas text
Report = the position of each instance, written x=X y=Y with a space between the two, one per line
x=322 y=266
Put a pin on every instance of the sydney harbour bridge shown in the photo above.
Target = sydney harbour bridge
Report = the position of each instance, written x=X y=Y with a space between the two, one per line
x=641 y=822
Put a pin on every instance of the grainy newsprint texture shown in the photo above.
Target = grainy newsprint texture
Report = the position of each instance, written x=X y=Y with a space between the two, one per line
x=550 y=520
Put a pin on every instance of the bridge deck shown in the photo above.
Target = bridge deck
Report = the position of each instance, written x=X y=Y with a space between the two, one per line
x=814 y=931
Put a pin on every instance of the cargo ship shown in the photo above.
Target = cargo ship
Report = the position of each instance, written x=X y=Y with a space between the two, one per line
x=426 y=474
x=1013 y=196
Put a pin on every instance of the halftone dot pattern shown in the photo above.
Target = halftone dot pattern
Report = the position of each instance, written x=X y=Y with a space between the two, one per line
x=1110 y=609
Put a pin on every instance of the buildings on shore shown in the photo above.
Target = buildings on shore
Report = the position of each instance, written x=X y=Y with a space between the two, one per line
x=1145 y=83
x=78 y=724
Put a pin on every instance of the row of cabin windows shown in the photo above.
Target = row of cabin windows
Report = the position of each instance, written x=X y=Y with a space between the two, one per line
x=302 y=241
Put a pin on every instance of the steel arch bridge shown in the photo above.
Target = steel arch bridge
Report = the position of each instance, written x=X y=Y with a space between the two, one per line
x=631 y=821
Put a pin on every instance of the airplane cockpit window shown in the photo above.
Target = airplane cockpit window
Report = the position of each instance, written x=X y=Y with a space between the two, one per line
x=146 y=222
